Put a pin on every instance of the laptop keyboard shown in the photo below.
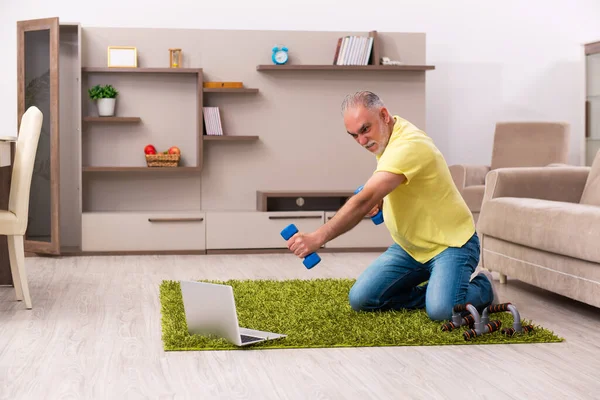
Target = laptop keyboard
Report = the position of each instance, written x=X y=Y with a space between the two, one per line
x=246 y=338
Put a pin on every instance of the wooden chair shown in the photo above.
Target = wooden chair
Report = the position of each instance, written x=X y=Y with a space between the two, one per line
x=13 y=222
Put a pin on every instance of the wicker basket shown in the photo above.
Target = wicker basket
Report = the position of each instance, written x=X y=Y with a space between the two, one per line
x=162 y=160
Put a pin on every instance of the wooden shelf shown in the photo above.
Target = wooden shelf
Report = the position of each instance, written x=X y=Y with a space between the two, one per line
x=325 y=67
x=141 y=169
x=592 y=48
x=112 y=119
x=144 y=70
x=230 y=90
x=233 y=138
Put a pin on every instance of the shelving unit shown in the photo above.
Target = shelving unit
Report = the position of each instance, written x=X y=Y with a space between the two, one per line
x=112 y=119
x=159 y=170
x=230 y=138
x=592 y=101
x=171 y=71
x=111 y=218
x=234 y=138
x=231 y=90
x=140 y=70
x=376 y=68
x=111 y=202
x=374 y=64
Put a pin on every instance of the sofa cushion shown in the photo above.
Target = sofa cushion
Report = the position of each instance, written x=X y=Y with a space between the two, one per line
x=569 y=229
x=473 y=196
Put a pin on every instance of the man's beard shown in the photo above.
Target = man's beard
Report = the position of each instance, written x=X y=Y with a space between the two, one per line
x=381 y=143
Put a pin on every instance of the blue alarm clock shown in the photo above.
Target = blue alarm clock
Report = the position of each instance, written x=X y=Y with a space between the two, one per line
x=280 y=55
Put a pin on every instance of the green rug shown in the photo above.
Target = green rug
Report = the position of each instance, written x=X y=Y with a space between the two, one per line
x=316 y=313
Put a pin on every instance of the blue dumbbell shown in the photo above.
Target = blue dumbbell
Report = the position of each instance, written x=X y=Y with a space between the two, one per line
x=310 y=260
x=377 y=218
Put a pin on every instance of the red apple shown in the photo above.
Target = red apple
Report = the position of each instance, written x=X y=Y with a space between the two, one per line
x=149 y=149
x=174 y=150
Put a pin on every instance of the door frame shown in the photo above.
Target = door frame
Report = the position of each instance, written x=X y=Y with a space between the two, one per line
x=53 y=26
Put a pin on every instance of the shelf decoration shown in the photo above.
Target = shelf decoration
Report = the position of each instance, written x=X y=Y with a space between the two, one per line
x=167 y=158
x=175 y=58
x=387 y=61
x=122 y=57
x=280 y=55
x=162 y=160
x=105 y=97
x=353 y=50
x=212 y=121
x=219 y=85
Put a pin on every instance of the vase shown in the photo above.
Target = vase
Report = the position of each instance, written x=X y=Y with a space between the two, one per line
x=106 y=107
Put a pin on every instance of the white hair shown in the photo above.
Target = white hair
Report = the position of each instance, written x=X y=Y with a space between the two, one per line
x=367 y=99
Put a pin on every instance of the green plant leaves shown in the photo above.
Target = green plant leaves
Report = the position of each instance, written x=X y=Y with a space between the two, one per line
x=102 y=92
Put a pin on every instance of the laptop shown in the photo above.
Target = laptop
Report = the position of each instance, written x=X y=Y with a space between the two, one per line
x=210 y=309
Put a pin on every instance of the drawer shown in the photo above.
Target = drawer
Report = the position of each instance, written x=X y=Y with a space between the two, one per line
x=142 y=231
x=364 y=235
x=255 y=229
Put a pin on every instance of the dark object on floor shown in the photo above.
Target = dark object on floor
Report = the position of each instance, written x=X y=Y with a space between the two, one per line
x=481 y=324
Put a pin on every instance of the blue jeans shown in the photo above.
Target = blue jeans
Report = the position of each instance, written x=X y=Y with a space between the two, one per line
x=392 y=282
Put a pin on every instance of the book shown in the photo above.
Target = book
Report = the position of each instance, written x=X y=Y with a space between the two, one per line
x=353 y=50
x=212 y=121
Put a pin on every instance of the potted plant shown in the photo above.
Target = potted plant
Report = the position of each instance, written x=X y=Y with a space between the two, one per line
x=106 y=97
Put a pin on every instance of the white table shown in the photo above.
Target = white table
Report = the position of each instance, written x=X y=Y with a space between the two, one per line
x=5 y=142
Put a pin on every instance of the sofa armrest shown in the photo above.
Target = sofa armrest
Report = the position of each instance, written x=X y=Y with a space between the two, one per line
x=468 y=175
x=556 y=183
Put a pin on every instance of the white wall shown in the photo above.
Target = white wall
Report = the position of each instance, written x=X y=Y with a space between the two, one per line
x=513 y=60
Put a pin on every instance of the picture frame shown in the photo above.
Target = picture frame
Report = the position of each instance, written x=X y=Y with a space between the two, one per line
x=122 y=57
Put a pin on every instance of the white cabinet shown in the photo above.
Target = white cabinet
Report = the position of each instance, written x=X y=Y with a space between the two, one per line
x=256 y=229
x=214 y=230
x=364 y=235
x=143 y=231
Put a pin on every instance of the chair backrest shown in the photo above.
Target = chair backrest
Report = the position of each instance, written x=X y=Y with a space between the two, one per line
x=530 y=144
x=25 y=151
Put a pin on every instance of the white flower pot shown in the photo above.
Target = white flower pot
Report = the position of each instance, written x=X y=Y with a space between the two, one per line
x=106 y=107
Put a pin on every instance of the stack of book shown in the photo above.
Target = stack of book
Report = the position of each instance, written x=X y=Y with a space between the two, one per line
x=212 y=121
x=353 y=50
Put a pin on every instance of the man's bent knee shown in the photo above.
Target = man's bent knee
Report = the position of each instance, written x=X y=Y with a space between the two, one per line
x=360 y=300
x=357 y=300
x=439 y=312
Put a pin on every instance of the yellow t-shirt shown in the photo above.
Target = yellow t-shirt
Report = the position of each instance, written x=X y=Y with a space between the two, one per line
x=426 y=214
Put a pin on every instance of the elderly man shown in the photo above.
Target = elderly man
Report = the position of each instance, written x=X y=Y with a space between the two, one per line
x=431 y=226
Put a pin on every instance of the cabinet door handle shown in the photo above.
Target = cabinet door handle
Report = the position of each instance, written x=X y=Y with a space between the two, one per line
x=295 y=217
x=175 y=219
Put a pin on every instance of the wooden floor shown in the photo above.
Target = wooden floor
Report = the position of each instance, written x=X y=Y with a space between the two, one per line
x=95 y=333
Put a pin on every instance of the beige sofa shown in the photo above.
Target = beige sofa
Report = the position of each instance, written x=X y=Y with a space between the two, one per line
x=542 y=226
x=516 y=144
